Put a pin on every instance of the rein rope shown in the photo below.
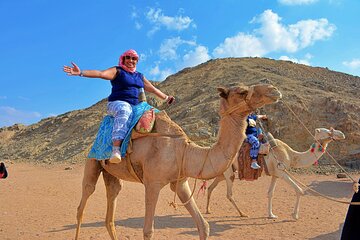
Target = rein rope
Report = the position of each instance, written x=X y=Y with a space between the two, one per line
x=320 y=194
x=319 y=143
x=173 y=203
x=228 y=113
x=282 y=167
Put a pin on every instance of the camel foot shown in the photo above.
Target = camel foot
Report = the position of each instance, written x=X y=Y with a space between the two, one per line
x=272 y=216
x=295 y=216
x=148 y=236
x=208 y=212
x=244 y=215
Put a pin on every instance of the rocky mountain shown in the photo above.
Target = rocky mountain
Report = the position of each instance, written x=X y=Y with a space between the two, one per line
x=312 y=97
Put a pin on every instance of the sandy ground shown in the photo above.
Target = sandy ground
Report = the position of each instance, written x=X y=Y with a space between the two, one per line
x=39 y=202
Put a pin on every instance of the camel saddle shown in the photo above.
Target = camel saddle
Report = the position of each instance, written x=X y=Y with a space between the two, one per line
x=244 y=161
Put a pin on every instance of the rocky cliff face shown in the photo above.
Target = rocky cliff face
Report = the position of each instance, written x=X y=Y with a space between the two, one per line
x=312 y=97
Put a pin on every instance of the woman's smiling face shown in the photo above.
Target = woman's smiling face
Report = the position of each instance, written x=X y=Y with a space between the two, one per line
x=130 y=61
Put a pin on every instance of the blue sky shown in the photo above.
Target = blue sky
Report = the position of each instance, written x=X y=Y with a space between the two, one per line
x=38 y=37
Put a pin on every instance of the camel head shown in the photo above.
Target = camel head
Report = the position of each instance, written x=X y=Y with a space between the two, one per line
x=244 y=99
x=327 y=135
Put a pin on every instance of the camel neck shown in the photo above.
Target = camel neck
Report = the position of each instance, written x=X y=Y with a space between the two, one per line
x=212 y=161
x=311 y=156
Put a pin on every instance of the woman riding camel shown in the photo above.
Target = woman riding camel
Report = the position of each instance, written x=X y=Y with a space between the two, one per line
x=127 y=85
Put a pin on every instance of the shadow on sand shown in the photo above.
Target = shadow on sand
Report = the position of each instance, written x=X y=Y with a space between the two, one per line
x=330 y=236
x=334 y=189
x=217 y=227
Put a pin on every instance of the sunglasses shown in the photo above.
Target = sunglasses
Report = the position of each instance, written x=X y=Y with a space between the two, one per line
x=132 y=58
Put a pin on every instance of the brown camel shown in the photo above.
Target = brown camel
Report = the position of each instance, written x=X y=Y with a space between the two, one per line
x=279 y=158
x=166 y=159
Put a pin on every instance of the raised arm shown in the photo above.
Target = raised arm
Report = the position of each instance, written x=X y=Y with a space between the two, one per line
x=108 y=74
x=152 y=89
x=262 y=117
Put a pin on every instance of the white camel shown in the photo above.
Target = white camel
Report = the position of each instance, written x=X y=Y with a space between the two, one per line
x=279 y=158
x=165 y=159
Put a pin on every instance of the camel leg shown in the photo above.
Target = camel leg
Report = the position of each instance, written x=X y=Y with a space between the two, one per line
x=151 y=198
x=270 y=196
x=113 y=186
x=229 y=178
x=184 y=193
x=299 y=193
x=92 y=171
x=210 y=189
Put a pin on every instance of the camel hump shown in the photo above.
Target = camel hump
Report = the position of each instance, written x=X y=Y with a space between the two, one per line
x=164 y=125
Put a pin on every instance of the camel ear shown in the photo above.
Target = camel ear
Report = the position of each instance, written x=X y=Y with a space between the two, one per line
x=224 y=93
x=317 y=130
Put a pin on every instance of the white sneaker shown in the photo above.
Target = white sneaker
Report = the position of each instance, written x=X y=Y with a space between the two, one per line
x=115 y=157
x=255 y=165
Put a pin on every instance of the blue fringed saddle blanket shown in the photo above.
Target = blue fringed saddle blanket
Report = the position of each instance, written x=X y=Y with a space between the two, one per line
x=102 y=146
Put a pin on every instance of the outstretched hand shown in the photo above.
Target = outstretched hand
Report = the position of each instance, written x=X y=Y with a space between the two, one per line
x=170 y=100
x=72 y=71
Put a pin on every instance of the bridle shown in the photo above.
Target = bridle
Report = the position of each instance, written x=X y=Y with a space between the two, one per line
x=243 y=104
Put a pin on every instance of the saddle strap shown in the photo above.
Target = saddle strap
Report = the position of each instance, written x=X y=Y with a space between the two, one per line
x=129 y=165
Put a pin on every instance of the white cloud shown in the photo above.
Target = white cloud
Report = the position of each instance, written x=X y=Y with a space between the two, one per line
x=193 y=58
x=134 y=15
x=178 y=23
x=155 y=71
x=273 y=36
x=182 y=53
x=307 y=32
x=297 y=2
x=168 y=48
x=10 y=116
x=240 y=45
x=143 y=57
x=138 y=25
x=305 y=61
x=165 y=73
x=153 y=31
x=353 y=64
x=160 y=74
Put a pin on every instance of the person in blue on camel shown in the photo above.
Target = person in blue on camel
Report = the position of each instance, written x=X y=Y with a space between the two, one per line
x=252 y=135
x=127 y=85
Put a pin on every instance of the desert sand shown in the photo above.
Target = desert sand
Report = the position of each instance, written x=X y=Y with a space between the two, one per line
x=40 y=201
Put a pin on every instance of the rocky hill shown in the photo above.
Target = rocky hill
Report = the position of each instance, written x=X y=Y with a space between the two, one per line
x=312 y=97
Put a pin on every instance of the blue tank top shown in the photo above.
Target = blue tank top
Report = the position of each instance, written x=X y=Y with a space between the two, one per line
x=126 y=86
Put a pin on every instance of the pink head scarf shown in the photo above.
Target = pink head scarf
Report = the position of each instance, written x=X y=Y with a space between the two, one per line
x=131 y=53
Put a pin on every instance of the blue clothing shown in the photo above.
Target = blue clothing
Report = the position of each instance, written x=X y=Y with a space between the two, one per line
x=122 y=112
x=102 y=147
x=252 y=136
x=255 y=146
x=126 y=86
x=251 y=128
